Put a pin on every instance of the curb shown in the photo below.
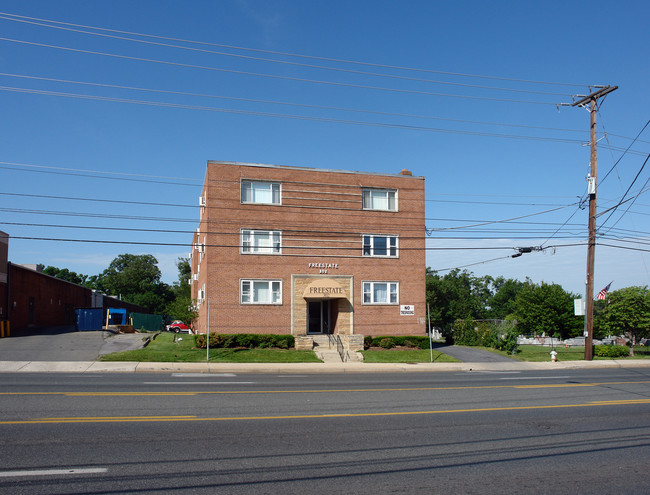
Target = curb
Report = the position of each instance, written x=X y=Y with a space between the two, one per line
x=307 y=368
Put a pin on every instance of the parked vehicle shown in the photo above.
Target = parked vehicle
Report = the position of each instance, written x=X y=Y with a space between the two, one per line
x=178 y=327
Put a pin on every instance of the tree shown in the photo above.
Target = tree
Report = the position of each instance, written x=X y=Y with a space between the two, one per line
x=181 y=307
x=502 y=302
x=546 y=308
x=67 y=275
x=626 y=312
x=136 y=278
x=456 y=295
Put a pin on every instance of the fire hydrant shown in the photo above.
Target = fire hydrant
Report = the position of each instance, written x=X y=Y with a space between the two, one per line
x=553 y=356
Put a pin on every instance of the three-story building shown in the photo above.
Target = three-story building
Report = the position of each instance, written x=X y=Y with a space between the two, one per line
x=308 y=251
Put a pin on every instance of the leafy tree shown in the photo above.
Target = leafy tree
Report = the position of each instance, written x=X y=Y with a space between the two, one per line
x=181 y=307
x=546 y=308
x=626 y=312
x=136 y=278
x=502 y=302
x=67 y=275
x=456 y=296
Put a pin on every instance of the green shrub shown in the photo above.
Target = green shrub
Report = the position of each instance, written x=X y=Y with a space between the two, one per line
x=612 y=351
x=412 y=341
x=387 y=343
x=216 y=340
x=247 y=340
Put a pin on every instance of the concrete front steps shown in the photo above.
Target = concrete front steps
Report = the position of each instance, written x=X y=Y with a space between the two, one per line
x=325 y=349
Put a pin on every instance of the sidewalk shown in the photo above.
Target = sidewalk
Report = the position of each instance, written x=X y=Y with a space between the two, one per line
x=301 y=368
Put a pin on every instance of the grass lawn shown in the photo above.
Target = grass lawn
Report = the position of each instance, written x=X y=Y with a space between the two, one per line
x=405 y=356
x=166 y=348
x=539 y=353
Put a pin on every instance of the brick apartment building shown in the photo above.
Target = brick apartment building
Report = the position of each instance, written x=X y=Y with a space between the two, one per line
x=308 y=251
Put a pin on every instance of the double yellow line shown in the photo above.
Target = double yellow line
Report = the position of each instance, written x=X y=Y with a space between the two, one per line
x=321 y=391
x=141 y=419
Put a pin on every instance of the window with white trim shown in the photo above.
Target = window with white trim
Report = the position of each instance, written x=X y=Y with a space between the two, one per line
x=261 y=292
x=261 y=241
x=379 y=199
x=380 y=245
x=380 y=292
x=260 y=192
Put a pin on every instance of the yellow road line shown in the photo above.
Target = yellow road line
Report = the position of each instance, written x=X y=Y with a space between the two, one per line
x=321 y=391
x=131 y=419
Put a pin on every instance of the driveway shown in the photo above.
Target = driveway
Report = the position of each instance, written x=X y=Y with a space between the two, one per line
x=471 y=355
x=66 y=344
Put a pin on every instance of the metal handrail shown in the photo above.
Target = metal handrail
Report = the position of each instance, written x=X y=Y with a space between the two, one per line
x=339 y=347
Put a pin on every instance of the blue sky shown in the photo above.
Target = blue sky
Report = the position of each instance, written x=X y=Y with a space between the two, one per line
x=479 y=119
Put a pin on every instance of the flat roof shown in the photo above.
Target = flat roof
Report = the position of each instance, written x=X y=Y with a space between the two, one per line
x=291 y=167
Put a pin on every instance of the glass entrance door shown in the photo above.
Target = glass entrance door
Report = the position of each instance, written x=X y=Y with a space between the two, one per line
x=318 y=316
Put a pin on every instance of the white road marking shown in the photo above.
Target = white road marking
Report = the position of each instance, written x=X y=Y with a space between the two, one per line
x=51 y=472
x=198 y=383
x=490 y=372
x=208 y=375
x=535 y=377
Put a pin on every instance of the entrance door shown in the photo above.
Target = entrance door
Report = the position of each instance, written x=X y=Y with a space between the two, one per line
x=318 y=316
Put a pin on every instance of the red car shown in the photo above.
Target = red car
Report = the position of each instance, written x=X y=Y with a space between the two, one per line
x=178 y=327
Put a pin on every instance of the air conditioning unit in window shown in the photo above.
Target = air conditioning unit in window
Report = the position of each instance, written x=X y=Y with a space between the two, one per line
x=195 y=277
x=189 y=281
x=202 y=201
x=201 y=294
x=201 y=248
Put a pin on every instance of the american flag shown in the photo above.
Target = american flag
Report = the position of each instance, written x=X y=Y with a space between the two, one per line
x=603 y=293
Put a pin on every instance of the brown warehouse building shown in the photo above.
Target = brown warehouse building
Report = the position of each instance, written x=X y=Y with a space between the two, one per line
x=309 y=252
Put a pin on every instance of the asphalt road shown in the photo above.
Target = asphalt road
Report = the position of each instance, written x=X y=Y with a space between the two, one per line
x=563 y=431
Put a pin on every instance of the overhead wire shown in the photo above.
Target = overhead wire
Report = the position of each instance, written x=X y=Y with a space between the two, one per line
x=627 y=191
x=297 y=64
x=275 y=102
x=273 y=76
x=288 y=54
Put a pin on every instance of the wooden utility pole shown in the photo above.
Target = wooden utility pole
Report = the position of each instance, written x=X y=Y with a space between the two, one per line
x=592 y=99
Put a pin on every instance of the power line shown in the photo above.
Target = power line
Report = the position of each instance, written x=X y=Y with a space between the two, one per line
x=273 y=76
x=275 y=102
x=625 y=152
x=287 y=54
x=121 y=201
x=189 y=245
x=628 y=190
x=298 y=64
x=288 y=116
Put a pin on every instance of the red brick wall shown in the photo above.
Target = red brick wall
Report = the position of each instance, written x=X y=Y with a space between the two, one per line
x=322 y=221
x=53 y=300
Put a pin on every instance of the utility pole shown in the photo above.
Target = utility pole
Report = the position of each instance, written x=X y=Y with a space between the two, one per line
x=592 y=99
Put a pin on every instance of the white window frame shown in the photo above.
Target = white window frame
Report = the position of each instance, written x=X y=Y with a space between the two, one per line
x=249 y=188
x=368 y=293
x=250 y=237
x=369 y=248
x=247 y=292
x=370 y=198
